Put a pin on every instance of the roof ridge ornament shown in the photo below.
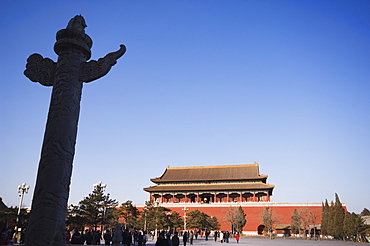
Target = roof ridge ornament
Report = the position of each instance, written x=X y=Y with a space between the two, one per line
x=77 y=23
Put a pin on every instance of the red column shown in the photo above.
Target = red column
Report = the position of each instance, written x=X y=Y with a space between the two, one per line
x=254 y=197
x=241 y=197
x=227 y=197
x=185 y=198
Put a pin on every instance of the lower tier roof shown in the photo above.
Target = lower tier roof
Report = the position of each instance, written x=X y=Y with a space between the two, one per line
x=210 y=187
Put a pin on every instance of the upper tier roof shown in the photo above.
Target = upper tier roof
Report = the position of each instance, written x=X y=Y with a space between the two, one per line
x=208 y=173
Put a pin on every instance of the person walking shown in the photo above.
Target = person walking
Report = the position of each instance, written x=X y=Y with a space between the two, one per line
x=107 y=237
x=175 y=239
x=88 y=237
x=68 y=237
x=226 y=236
x=221 y=236
x=126 y=237
x=185 y=237
x=145 y=238
x=237 y=237
x=76 y=238
x=207 y=234
x=96 y=237
x=139 y=237
x=162 y=240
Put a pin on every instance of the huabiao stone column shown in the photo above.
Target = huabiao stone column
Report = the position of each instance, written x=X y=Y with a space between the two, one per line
x=49 y=204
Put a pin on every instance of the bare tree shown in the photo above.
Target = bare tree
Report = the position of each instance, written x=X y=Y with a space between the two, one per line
x=307 y=218
x=236 y=217
x=295 y=225
x=268 y=219
x=230 y=216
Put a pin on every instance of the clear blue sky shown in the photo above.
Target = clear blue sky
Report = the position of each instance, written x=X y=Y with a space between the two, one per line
x=283 y=83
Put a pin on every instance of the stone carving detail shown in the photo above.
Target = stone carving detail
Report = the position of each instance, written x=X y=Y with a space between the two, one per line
x=39 y=69
x=49 y=204
x=77 y=23
x=93 y=70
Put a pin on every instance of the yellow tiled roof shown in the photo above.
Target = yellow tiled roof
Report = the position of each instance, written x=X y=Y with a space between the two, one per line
x=204 y=173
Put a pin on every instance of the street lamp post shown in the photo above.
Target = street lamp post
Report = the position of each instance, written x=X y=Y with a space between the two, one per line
x=156 y=220
x=145 y=219
x=100 y=185
x=22 y=189
x=169 y=220
x=185 y=209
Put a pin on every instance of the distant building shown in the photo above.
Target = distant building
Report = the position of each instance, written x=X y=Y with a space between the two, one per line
x=211 y=184
x=2 y=205
x=214 y=190
x=366 y=219
x=6 y=212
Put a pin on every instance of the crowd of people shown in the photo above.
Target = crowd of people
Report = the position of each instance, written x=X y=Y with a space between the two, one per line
x=89 y=237
x=165 y=238
x=139 y=238
x=6 y=236
x=132 y=237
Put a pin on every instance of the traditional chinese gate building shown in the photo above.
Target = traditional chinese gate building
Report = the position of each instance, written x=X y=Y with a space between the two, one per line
x=214 y=190
x=211 y=184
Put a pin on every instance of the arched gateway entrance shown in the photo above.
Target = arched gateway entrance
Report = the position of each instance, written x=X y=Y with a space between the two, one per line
x=260 y=229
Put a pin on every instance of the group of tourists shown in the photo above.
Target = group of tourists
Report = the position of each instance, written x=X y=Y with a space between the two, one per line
x=222 y=236
x=6 y=236
x=139 y=238
x=166 y=239
x=94 y=237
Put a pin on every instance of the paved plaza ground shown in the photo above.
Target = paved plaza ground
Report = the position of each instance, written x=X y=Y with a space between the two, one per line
x=248 y=241
x=252 y=241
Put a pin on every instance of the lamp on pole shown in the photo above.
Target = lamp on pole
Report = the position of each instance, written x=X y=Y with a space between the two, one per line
x=169 y=220
x=184 y=209
x=156 y=204
x=145 y=219
x=100 y=185
x=22 y=189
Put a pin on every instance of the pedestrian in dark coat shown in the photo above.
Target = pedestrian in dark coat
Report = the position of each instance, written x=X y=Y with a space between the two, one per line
x=76 y=238
x=185 y=237
x=227 y=235
x=88 y=237
x=162 y=240
x=207 y=234
x=107 y=237
x=126 y=238
x=139 y=238
x=96 y=237
x=175 y=240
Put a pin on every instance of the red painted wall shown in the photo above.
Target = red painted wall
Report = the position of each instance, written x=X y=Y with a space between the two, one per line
x=282 y=213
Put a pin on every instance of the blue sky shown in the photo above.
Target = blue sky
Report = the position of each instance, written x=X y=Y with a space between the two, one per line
x=283 y=83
